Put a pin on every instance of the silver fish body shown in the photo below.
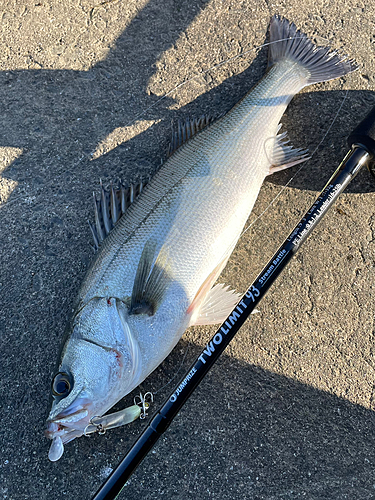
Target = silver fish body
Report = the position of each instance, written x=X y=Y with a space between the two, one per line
x=153 y=275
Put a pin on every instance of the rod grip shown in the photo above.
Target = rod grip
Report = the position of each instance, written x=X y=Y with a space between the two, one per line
x=364 y=133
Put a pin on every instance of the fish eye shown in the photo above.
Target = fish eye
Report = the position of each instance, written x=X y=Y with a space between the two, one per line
x=62 y=384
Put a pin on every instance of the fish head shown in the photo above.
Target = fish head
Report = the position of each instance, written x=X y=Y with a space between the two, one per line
x=94 y=373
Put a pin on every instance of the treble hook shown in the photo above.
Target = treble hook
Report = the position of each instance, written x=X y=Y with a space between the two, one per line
x=144 y=402
x=99 y=427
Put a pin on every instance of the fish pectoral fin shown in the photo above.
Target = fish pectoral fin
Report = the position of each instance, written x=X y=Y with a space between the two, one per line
x=110 y=207
x=217 y=306
x=284 y=155
x=151 y=280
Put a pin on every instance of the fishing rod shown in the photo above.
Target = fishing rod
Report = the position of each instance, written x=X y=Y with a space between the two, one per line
x=362 y=150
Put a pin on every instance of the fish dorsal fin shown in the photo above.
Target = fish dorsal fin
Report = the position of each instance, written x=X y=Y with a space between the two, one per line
x=284 y=155
x=151 y=280
x=217 y=306
x=110 y=206
x=183 y=131
x=113 y=202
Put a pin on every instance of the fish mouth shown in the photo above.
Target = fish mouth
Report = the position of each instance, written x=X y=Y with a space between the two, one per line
x=66 y=426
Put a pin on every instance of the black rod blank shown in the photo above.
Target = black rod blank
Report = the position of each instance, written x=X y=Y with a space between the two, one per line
x=357 y=157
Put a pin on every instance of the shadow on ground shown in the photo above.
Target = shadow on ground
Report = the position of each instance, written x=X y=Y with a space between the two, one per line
x=249 y=433
x=245 y=433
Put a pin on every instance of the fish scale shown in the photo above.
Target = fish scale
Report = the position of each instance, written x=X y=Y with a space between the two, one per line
x=154 y=272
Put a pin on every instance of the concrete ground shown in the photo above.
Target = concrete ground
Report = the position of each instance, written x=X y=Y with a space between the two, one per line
x=288 y=412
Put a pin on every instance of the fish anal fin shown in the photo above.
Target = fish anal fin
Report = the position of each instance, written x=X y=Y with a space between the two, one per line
x=217 y=306
x=284 y=155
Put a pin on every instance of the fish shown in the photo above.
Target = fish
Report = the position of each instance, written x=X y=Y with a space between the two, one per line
x=163 y=245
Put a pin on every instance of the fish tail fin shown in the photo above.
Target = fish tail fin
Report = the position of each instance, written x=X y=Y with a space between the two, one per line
x=321 y=63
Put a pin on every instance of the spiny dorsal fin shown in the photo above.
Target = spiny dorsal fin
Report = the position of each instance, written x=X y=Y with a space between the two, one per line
x=151 y=280
x=186 y=130
x=110 y=206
